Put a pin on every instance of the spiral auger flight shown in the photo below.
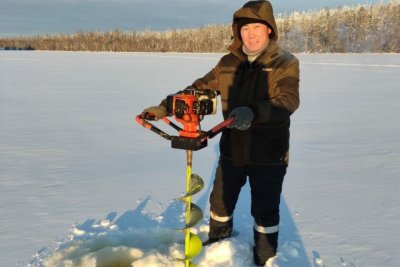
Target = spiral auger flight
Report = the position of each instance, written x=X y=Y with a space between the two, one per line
x=193 y=213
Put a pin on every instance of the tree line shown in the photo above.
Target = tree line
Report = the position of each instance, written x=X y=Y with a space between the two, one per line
x=365 y=28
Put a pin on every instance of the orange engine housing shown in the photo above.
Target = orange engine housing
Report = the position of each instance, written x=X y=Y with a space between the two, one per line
x=184 y=113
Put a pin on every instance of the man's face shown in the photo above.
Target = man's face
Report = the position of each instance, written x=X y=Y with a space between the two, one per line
x=255 y=36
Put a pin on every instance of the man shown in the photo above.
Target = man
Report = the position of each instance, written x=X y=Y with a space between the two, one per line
x=258 y=83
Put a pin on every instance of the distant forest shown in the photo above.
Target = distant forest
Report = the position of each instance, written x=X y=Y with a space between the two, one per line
x=371 y=28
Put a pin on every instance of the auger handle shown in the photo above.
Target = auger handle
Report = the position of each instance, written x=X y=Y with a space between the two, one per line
x=216 y=129
x=143 y=119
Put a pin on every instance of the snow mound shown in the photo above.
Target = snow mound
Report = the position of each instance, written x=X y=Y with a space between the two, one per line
x=134 y=240
x=105 y=244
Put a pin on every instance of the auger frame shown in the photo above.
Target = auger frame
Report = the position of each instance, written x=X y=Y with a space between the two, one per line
x=190 y=141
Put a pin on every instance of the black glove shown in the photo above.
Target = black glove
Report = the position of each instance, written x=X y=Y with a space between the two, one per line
x=243 y=118
x=157 y=111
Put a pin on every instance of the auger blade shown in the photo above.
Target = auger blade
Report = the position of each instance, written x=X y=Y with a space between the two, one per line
x=195 y=216
x=195 y=246
x=196 y=185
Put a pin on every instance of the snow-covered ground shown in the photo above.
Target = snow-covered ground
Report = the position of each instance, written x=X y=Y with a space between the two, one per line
x=82 y=184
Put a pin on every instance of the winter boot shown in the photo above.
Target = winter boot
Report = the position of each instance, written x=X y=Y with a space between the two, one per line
x=218 y=231
x=265 y=247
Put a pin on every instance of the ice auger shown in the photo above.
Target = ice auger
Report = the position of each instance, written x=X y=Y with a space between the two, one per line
x=188 y=108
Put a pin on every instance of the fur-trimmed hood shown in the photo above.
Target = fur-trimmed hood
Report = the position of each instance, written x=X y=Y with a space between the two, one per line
x=260 y=10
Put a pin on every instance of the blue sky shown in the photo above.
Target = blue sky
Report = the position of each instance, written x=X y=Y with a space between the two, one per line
x=30 y=17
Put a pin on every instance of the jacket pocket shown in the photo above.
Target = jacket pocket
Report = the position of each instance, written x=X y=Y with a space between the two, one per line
x=269 y=144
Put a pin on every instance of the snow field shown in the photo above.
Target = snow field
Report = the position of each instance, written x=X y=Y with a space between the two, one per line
x=72 y=157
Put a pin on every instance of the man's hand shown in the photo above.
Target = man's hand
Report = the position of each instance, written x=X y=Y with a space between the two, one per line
x=243 y=117
x=157 y=111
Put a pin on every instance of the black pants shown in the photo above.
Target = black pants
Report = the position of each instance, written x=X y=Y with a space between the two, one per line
x=266 y=187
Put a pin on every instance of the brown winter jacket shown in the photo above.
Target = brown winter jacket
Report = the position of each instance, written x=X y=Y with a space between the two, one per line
x=269 y=85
